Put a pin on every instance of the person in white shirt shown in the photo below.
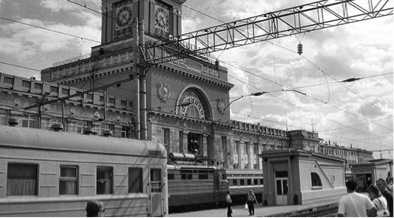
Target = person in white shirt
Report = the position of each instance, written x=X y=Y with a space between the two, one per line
x=378 y=199
x=354 y=204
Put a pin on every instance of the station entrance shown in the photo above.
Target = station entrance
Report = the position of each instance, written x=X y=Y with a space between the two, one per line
x=281 y=187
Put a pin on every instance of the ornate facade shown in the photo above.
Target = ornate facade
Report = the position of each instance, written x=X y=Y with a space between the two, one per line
x=185 y=99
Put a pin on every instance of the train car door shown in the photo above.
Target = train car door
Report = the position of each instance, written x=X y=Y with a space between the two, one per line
x=281 y=187
x=155 y=189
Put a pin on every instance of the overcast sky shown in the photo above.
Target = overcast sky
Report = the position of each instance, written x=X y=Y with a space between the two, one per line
x=359 y=113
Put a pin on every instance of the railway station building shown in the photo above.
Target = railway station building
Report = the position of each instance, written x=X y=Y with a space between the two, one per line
x=185 y=102
x=185 y=99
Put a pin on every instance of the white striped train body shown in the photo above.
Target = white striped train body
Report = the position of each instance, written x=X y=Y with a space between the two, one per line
x=241 y=181
x=196 y=187
x=45 y=173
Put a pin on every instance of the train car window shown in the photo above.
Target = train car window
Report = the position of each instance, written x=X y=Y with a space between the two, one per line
x=171 y=176
x=242 y=182
x=135 y=180
x=186 y=174
x=68 y=181
x=155 y=177
x=203 y=174
x=249 y=181
x=104 y=180
x=22 y=179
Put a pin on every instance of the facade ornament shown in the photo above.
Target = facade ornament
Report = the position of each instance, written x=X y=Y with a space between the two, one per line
x=72 y=110
x=163 y=91
x=220 y=106
x=17 y=102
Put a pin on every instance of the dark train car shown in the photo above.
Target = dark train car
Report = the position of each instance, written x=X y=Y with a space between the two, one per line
x=52 y=174
x=241 y=181
x=195 y=187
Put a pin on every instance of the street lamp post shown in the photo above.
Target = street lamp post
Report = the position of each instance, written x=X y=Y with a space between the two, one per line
x=252 y=94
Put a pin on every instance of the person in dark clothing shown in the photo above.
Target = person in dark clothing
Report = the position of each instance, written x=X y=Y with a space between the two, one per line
x=382 y=185
x=250 y=201
x=94 y=209
x=229 y=203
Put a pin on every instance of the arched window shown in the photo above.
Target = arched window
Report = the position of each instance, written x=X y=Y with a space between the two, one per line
x=316 y=181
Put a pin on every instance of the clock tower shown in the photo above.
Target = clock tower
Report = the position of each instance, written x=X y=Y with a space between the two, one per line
x=162 y=18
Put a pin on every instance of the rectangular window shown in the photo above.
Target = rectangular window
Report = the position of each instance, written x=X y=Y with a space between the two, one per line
x=203 y=174
x=135 y=180
x=167 y=138
x=180 y=141
x=38 y=86
x=89 y=97
x=101 y=98
x=30 y=121
x=249 y=181
x=9 y=80
x=68 y=182
x=104 y=180
x=123 y=103
x=235 y=182
x=65 y=91
x=126 y=132
x=171 y=176
x=186 y=174
x=22 y=179
x=241 y=182
x=155 y=177
x=224 y=143
x=255 y=181
x=26 y=84
x=111 y=100
x=54 y=89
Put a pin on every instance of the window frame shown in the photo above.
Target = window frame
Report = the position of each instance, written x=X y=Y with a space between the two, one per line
x=35 y=165
x=111 y=179
x=73 y=179
x=316 y=181
x=140 y=172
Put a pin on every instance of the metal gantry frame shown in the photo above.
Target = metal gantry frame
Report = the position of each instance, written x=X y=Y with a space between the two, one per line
x=299 y=19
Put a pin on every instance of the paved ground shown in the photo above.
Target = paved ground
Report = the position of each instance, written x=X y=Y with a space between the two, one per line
x=260 y=211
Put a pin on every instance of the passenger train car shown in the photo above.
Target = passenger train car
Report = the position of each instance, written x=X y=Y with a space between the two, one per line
x=241 y=181
x=192 y=186
x=45 y=173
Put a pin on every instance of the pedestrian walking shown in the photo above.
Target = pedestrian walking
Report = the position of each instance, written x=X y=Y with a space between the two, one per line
x=382 y=185
x=94 y=209
x=250 y=201
x=378 y=200
x=354 y=204
x=229 y=203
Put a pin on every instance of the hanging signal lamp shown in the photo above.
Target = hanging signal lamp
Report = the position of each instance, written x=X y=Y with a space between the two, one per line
x=299 y=48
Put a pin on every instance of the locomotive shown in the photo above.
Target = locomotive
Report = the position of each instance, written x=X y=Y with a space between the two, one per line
x=194 y=186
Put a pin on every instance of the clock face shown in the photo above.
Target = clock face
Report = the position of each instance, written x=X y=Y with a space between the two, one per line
x=162 y=17
x=123 y=17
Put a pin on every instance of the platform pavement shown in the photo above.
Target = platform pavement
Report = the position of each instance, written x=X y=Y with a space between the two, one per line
x=261 y=211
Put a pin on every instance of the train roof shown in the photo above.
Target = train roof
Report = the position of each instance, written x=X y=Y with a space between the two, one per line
x=63 y=141
x=176 y=166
